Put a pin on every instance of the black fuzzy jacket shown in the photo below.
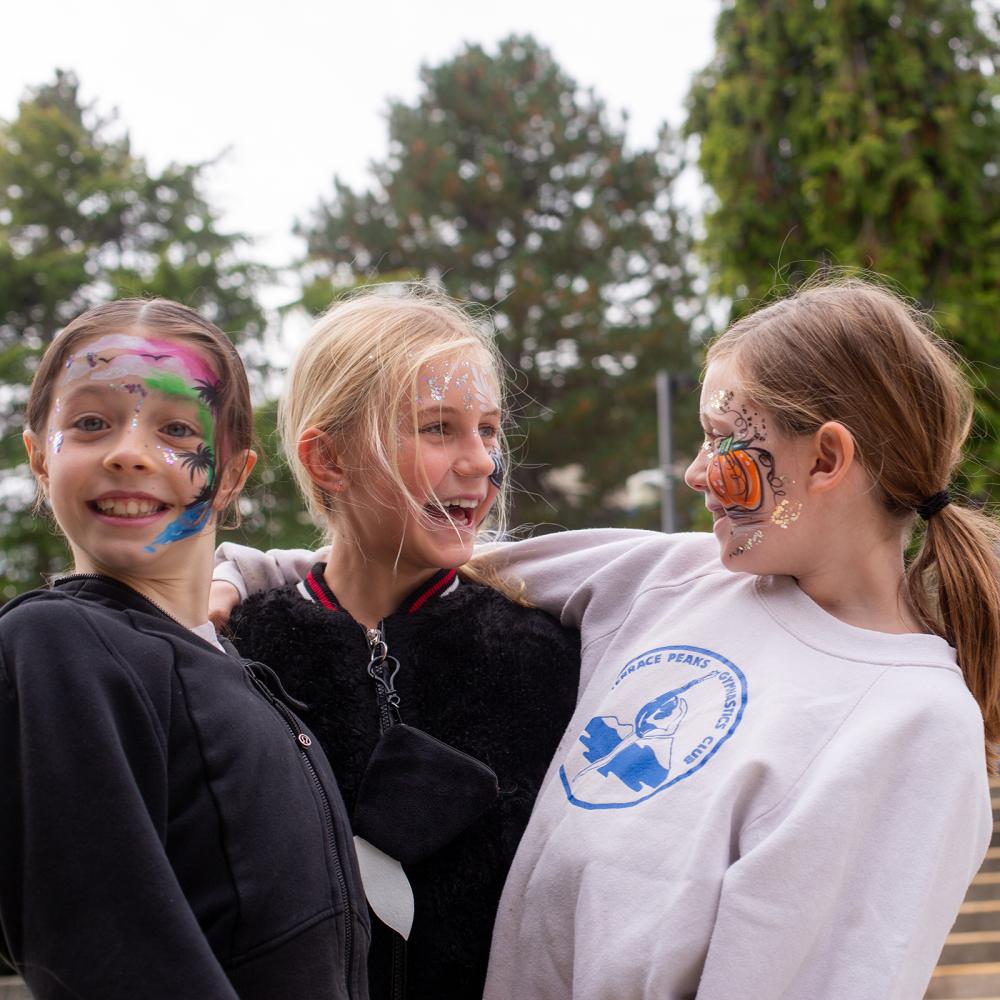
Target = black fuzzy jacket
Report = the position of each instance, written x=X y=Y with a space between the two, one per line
x=477 y=671
x=168 y=830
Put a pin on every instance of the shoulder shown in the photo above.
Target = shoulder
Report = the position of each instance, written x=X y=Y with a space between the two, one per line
x=629 y=555
x=56 y=642
x=924 y=702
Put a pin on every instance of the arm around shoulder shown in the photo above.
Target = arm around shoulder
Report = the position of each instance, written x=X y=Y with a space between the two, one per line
x=251 y=571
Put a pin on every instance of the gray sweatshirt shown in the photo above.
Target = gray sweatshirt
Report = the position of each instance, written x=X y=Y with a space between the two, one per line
x=753 y=799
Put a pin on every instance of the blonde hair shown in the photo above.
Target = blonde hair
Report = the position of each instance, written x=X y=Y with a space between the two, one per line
x=356 y=378
x=853 y=352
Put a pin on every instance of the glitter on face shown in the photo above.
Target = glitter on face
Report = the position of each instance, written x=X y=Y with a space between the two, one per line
x=57 y=442
x=720 y=400
x=473 y=381
x=786 y=513
x=173 y=370
x=755 y=539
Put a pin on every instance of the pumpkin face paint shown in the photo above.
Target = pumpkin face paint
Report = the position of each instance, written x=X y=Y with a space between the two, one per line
x=752 y=502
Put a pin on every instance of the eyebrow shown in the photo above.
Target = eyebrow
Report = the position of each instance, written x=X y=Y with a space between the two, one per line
x=453 y=410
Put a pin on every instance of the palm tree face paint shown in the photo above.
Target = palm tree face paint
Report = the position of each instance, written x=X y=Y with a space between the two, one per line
x=147 y=369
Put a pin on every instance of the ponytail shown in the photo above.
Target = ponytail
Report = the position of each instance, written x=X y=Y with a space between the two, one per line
x=954 y=586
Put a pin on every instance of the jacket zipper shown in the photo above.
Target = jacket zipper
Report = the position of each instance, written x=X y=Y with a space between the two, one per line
x=388 y=701
x=303 y=741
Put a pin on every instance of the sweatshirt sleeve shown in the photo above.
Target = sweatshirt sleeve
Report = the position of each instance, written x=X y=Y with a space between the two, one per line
x=251 y=571
x=847 y=889
x=90 y=907
x=587 y=578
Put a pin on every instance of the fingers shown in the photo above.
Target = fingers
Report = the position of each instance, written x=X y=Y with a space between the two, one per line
x=222 y=598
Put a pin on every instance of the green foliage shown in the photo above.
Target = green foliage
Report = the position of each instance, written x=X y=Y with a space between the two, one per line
x=513 y=188
x=861 y=133
x=83 y=220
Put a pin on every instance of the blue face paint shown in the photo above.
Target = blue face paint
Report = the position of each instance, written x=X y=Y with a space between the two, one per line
x=496 y=476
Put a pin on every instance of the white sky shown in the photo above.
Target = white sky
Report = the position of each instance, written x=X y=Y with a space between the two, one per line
x=296 y=91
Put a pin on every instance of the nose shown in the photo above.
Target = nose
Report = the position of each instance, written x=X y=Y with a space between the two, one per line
x=126 y=453
x=474 y=458
x=695 y=474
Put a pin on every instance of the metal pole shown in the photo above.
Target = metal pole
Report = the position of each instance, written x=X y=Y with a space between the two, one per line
x=663 y=385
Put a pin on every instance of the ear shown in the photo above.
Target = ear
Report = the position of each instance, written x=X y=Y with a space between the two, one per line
x=233 y=477
x=832 y=457
x=36 y=460
x=322 y=460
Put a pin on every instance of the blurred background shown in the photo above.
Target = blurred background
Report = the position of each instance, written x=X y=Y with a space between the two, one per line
x=613 y=183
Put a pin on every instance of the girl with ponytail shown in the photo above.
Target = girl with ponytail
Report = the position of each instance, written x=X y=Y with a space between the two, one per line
x=774 y=782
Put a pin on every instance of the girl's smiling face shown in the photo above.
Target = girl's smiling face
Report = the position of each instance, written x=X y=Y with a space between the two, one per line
x=448 y=436
x=750 y=474
x=128 y=460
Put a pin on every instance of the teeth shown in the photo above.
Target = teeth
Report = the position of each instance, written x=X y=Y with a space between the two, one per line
x=470 y=504
x=128 y=508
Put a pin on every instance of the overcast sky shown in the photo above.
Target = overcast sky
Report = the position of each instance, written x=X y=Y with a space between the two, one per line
x=296 y=91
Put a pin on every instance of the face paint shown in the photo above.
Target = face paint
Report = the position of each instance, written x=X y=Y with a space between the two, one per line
x=472 y=379
x=496 y=476
x=140 y=365
x=740 y=474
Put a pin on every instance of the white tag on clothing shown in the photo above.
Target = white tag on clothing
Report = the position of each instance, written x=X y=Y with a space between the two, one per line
x=386 y=886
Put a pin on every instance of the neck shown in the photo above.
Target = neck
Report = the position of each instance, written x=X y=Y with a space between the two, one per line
x=862 y=584
x=366 y=589
x=181 y=590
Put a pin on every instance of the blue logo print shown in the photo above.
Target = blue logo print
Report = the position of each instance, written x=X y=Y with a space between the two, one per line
x=688 y=702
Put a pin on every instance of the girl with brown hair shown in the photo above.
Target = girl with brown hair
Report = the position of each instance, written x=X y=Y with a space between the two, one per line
x=775 y=781
x=168 y=827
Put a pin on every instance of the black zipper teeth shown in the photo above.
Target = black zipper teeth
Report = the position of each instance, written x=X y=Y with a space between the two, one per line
x=293 y=728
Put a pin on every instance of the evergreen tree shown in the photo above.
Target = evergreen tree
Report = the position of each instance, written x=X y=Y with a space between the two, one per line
x=861 y=133
x=513 y=188
x=83 y=220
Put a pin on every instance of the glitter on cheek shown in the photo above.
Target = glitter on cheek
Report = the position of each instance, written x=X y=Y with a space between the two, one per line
x=786 y=513
x=755 y=539
x=56 y=441
x=169 y=455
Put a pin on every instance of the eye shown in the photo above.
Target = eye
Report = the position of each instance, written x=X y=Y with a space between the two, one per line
x=434 y=429
x=91 y=424
x=178 y=429
x=488 y=431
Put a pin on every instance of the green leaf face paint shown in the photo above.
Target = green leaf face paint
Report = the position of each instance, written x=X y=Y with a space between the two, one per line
x=150 y=368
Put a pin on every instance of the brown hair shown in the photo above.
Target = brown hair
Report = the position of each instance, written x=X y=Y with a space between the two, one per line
x=234 y=412
x=853 y=352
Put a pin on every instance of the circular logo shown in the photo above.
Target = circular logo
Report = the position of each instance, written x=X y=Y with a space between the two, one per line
x=669 y=711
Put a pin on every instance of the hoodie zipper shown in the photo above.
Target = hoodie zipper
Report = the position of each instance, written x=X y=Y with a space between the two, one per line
x=303 y=740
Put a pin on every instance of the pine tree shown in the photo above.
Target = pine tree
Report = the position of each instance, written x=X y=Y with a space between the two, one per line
x=861 y=133
x=83 y=220
x=516 y=190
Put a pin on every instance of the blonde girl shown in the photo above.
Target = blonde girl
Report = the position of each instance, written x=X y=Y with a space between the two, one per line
x=775 y=781
x=393 y=422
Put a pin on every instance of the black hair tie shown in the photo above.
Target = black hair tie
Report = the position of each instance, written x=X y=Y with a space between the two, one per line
x=933 y=504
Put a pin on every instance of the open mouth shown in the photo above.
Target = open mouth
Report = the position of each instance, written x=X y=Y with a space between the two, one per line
x=461 y=513
x=130 y=508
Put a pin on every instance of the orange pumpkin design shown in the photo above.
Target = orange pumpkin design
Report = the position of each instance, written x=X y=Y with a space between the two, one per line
x=734 y=477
